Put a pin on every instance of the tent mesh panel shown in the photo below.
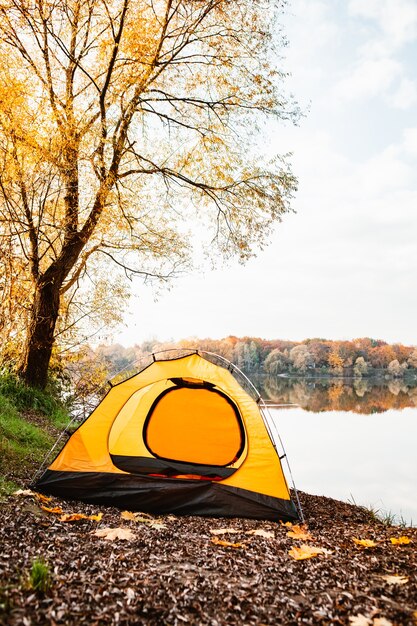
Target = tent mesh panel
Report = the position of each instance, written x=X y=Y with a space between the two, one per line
x=179 y=353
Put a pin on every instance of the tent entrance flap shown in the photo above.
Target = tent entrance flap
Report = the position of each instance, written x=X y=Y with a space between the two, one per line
x=194 y=425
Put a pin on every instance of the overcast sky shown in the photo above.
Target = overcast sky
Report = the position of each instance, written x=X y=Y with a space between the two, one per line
x=345 y=265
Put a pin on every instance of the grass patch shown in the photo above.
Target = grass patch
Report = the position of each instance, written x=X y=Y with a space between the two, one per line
x=21 y=443
x=7 y=487
x=40 y=577
x=29 y=422
x=25 y=398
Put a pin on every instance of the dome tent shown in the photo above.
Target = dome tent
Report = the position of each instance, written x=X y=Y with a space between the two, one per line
x=180 y=436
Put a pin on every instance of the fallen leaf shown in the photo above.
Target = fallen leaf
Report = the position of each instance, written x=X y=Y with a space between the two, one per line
x=305 y=551
x=359 y=620
x=395 y=579
x=300 y=532
x=400 y=541
x=287 y=524
x=129 y=515
x=227 y=544
x=365 y=543
x=138 y=517
x=268 y=534
x=42 y=498
x=381 y=621
x=72 y=517
x=23 y=492
x=75 y=517
x=223 y=531
x=111 y=534
x=55 y=509
x=157 y=525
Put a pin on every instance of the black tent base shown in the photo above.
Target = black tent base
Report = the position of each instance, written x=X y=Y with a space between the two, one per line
x=155 y=495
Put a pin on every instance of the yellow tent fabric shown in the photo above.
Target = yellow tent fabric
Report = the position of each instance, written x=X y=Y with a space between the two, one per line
x=183 y=436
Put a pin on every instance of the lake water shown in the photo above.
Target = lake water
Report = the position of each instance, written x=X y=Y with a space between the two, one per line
x=357 y=447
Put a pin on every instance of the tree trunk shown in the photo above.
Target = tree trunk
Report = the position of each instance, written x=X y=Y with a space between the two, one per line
x=40 y=339
x=45 y=310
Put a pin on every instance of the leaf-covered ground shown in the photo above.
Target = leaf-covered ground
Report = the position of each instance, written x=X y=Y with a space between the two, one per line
x=174 y=570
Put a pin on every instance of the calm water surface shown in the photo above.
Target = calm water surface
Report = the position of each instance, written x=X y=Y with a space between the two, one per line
x=356 y=454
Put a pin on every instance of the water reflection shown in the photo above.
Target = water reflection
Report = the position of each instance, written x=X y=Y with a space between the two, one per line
x=367 y=459
x=358 y=396
x=334 y=451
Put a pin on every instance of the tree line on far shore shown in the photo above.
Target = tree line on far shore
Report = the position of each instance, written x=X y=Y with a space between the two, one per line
x=358 y=358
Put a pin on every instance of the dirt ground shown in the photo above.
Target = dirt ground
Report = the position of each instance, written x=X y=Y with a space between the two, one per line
x=175 y=570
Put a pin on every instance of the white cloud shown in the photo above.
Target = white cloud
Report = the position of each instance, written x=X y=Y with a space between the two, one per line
x=397 y=19
x=313 y=22
x=385 y=27
x=410 y=140
x=405 y=95
x=309 y=22
x=384 y=172
x=369 y=78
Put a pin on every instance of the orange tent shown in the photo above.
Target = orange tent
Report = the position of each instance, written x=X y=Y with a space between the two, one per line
x=180 y=436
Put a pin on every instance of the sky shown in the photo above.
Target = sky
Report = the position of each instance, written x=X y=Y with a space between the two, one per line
x=344 y=265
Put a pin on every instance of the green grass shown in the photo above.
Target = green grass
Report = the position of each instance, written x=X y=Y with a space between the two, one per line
x=40 y=578
x=7 y=487
x=26 y=416
x=25 y=398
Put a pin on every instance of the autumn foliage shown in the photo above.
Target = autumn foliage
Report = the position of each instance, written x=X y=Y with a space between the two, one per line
x=126 y=127
x=359 y=358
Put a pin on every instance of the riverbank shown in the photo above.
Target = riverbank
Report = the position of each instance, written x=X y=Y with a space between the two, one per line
x=176 y=570
x=171 y=570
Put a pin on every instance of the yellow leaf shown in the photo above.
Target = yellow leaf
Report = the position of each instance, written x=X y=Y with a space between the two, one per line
x=137 y=517
x=41 y=497
x=72 y=517
x=400 y=541
x=227 y=544
x=300 y=532
x=111 y=534
x=395 y=579
x=55 y=509
x=365 y=543
x=261 y=533
x=32 y=494
x=381 y=621
x=306 y=552
x=223 y=531
x=128 y=515
x=75 y=517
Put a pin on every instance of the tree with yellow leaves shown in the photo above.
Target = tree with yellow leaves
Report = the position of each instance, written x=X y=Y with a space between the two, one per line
x=124 y=123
